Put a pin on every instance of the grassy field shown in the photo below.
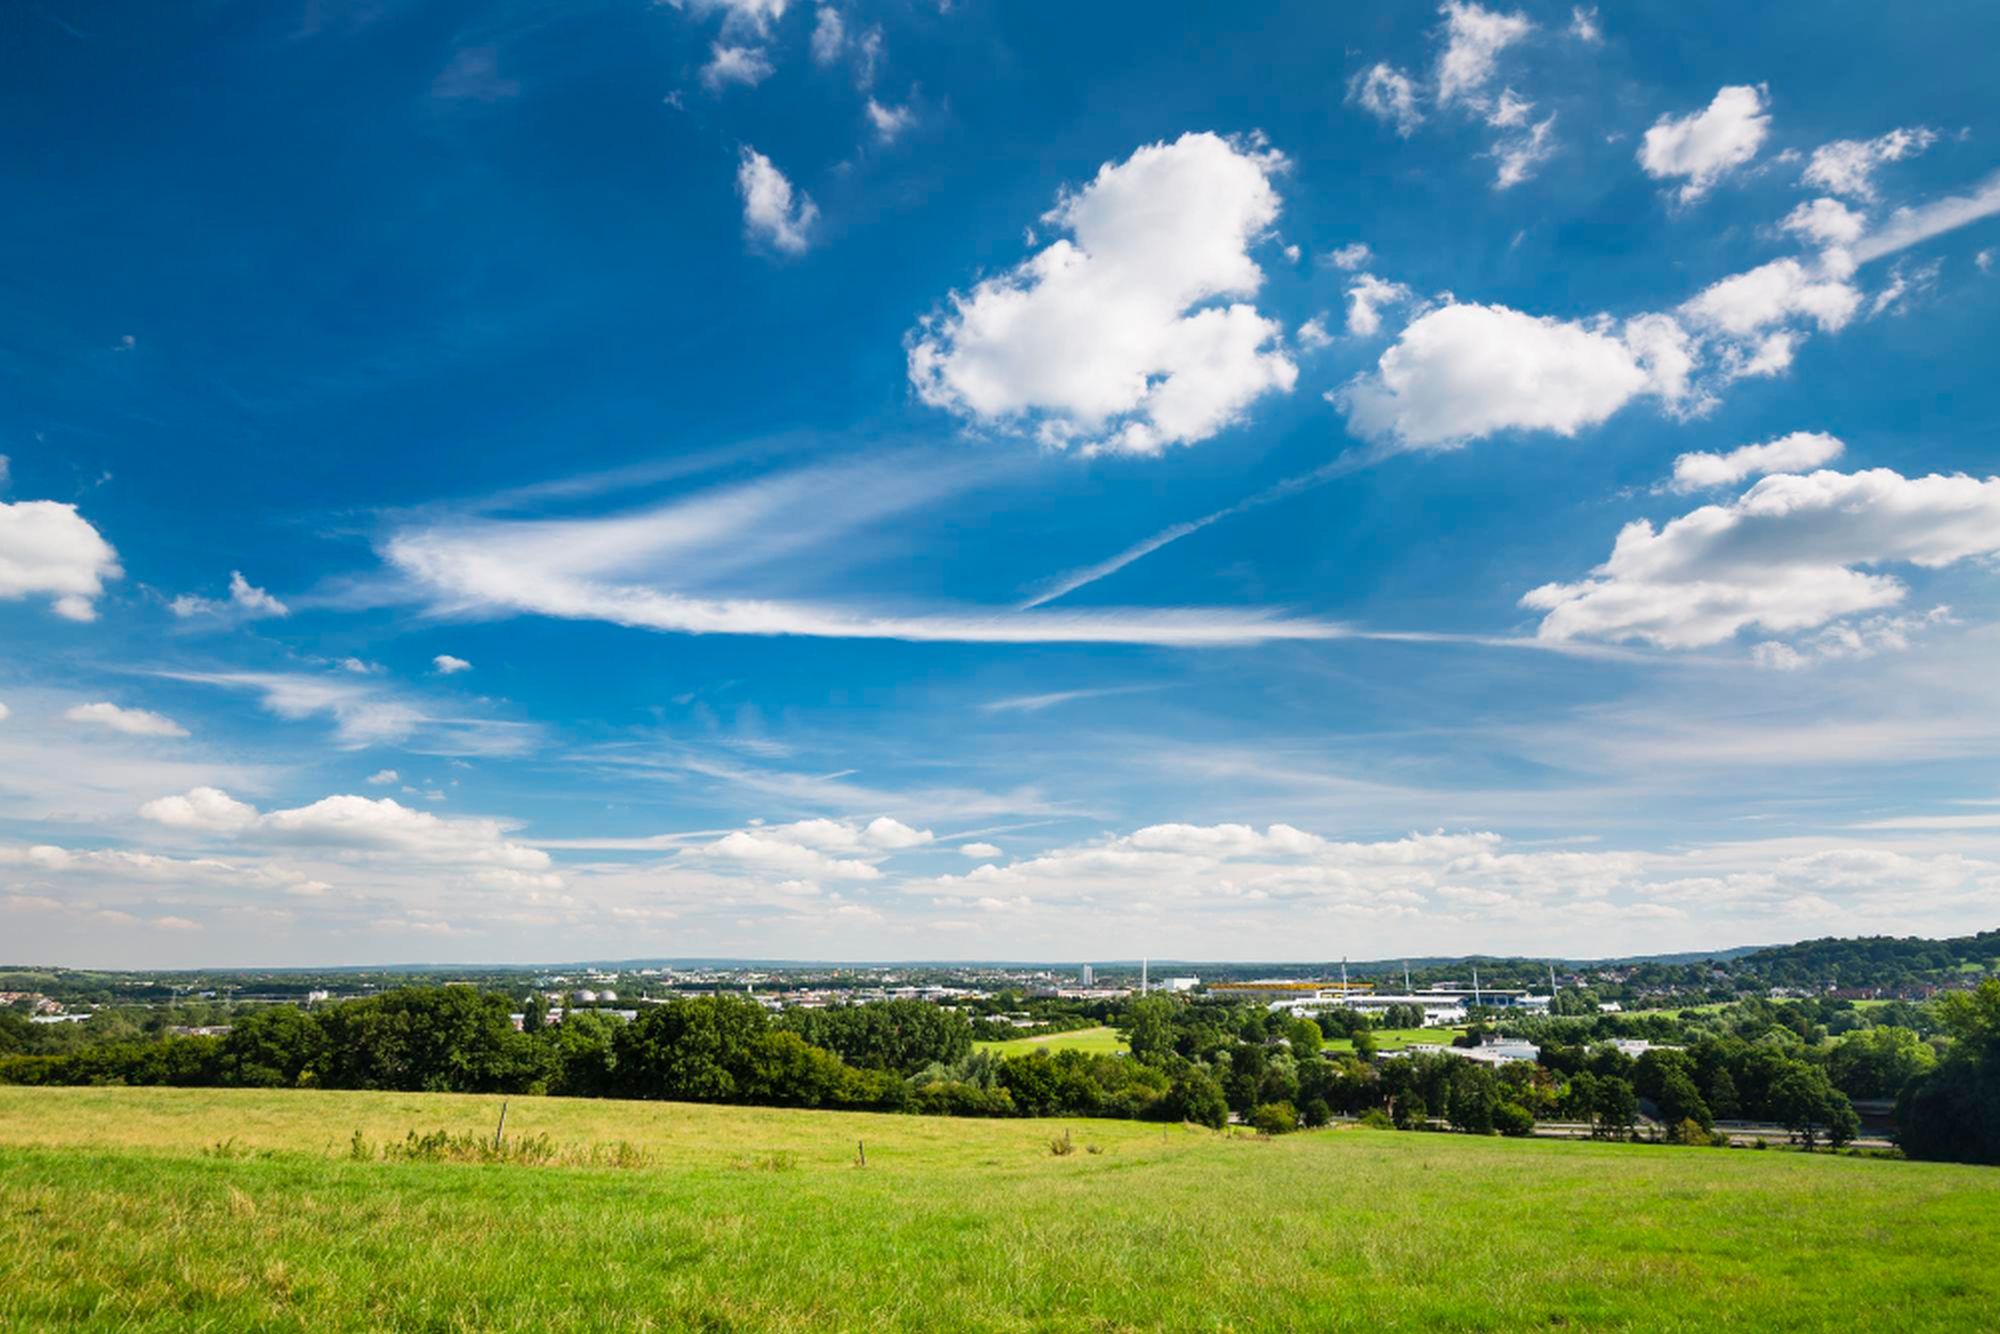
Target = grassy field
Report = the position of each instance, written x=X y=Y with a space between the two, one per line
x=1104 y=1040
x=749 y=1219
x=1395 y=1039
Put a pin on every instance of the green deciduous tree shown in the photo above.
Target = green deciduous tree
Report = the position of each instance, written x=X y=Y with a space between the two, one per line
x=432 y=1039
x=1149 y=1029
x=1195 y=1097
x=1615 y=1108
x=1953 y=1110
x=281 y=1047
x=1878 y=1062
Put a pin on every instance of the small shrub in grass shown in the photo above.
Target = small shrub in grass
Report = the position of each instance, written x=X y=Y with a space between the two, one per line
x=1688 y=1131
x=1511 y=1118
x=783 y=1160
x=1062 y=1146
x=1377 y=1119
x=1274 y=1118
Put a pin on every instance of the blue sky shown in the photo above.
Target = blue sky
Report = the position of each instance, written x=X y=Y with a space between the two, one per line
x=537 y=481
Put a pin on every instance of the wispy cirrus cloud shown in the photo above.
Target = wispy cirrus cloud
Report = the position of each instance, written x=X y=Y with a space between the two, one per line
x=1909 y=226
x=752 y=559
x=1037 y=703
x=366 y=712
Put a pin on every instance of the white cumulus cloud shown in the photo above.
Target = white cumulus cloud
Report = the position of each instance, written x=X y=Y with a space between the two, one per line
x=889 y=122
x=384 y=825
x=1354 y=255
x=1861 y=638
x=205 y=808
x=1464 y=371
x=132 y=722
x=829 y=38
x=1788 y=555
x=1847 y=166
x=745 y=65
x=762 y=851
x=354 y=826
x=1520 y=153
x=815 y=850
x=1826 y=222
x=1367 y=295
x=1701 y=148
x=754 y=16
x=1771 y=294
x=1474 y=39
x=1113 y=339
x=245 y=602
x=1801 y=451
x=1389 y=95
x=772 y=213
x=48 y=549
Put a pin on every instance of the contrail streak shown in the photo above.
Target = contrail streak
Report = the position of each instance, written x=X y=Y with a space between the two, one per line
x=1352 y=461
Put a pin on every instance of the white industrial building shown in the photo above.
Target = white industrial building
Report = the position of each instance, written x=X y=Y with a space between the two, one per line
x=1506 y=1051
x=1442 y=1006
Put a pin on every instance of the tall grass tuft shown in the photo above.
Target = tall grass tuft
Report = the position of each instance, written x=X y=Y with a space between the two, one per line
x=538 y=1150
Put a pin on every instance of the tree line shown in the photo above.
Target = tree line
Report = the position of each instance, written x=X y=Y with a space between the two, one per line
x=1200 y=1062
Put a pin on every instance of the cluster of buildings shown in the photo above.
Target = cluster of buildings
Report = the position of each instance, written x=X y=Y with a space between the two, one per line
x=37 y=1003
x=1497 y=1051
x=818 y=998
x=1441 y=1006
x=43 y=1009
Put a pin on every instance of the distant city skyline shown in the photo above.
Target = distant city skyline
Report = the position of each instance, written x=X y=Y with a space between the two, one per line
x=973 y=481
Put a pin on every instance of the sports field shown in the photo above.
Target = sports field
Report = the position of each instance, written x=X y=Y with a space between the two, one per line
x=746 y=1219
x=1396 y=1039
x=1103 y=1040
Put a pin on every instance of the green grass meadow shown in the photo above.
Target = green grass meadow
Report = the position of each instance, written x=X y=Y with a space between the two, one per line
x=752 y=1219
x=1104 y=1041
x=1398 y=1039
